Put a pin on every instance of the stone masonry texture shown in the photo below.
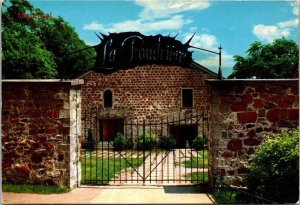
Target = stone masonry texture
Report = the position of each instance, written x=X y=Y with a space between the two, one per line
x=144 y=92
x=241 y=112
x=36 y=133
x=147 y=92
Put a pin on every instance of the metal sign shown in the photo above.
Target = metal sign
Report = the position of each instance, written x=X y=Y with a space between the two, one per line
x=120 y=51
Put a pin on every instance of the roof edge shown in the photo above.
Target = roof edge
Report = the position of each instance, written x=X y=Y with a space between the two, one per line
x=193 y=65
x=196 y=65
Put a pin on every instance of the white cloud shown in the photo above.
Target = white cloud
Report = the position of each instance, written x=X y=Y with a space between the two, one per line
x=143 y=26
x=93 y=26
x=212 y=61
x=159 y=9
x=269 y=33
x=290 y=23
x=209 y=60
x=156 y=16
x=205 y=41
x=295 y=8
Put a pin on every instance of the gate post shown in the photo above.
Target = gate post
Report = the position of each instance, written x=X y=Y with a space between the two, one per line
x=144 y=156
x=75 y=134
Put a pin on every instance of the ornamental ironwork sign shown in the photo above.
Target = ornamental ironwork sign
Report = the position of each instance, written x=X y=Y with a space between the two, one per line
x=120 y=51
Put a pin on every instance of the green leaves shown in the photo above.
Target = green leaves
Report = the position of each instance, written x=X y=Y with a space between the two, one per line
x=274 y=169
x=275 y=60
x=147 y=141
x=120 y=142
x=35 y=47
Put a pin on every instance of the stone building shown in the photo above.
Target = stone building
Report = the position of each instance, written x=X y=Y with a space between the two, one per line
x=146 y=92
x=158 y=82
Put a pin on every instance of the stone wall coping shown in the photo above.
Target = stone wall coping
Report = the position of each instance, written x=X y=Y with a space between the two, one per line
x=213 y=81
x=72 y=82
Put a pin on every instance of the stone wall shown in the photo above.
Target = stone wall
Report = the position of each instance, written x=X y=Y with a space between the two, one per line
x=145 y=92
x=241 y=112
x=40 y=129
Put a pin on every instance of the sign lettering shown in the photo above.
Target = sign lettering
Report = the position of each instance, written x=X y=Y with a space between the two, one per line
x=120 y=51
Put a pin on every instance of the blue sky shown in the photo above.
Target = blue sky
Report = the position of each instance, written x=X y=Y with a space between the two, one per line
x=233 y=24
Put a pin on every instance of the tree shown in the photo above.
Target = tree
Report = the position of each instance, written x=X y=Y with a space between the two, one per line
x=21 y=57
x=274 y=168
x=274 y=60
x=39 y=47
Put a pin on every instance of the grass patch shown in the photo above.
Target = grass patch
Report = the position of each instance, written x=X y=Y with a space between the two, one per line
x=224 y=196
x=37 y=189
x=102 y=170
x=197 y=177
x=195 y=162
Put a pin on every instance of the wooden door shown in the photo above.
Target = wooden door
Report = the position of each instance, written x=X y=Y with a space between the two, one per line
x=109 y=128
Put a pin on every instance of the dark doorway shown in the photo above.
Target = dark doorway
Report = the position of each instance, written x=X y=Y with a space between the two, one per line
x=181 y=133
x=109 y=128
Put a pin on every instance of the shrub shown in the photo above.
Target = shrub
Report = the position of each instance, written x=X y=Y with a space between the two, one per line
x=199 y=143
x=146 y=142
x=274 y=169
x=168 y=142
x=120 y=142
x=129 y=143
x=89 y=142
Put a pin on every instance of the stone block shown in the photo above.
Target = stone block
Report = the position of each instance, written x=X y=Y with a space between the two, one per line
x=227 y=154
x=247 y=98
x=273 y=115
x=252 y=141
x=64 y=114
x=251 y=133
x=247 y=117
x=258 y=103
x=235 y=144
x=293 y=114
x=238 y=106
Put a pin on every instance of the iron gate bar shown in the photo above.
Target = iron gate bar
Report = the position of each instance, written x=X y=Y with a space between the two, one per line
x=90 y=162
x=150 y=149
x=198 y=156
x=154 y=154
x=144 y=167
x=203 y=129
x=131 y=150
x=84 y=151
x=184 y=151
x=137 y=128
x=121 y=155
x=151 y=170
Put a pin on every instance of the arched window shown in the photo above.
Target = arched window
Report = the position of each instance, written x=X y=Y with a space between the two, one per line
x=108 y=99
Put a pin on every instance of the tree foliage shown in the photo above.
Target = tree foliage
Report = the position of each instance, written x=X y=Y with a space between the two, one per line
x=274 y=169
x=38 y=47
x=270 y=61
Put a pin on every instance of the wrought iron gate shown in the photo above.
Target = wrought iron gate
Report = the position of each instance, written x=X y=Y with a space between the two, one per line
x=153 y=151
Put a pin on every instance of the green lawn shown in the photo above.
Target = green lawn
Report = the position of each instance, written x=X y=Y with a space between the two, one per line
x=38 y=189
x=197 y=179
x=197 y=161
x=107 y=169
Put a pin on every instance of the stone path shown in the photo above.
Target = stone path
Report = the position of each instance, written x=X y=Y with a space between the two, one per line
x=161 y=168
x=116 y=195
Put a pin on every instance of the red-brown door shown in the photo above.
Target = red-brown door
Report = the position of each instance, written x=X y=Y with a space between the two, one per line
x=109 y=128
